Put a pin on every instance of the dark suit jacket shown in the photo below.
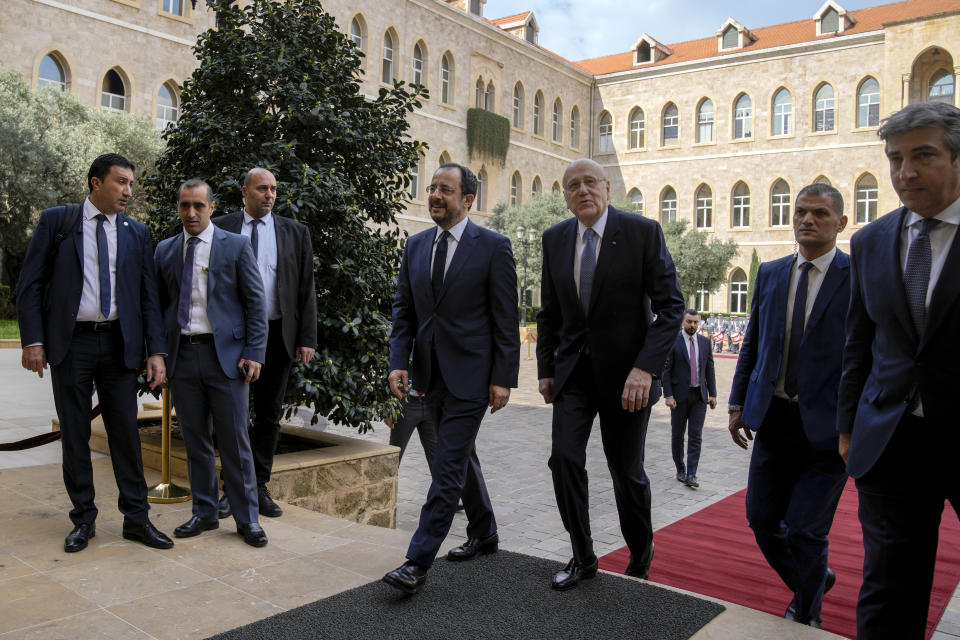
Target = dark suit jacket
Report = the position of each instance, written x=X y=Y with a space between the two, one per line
x=50 y=318
x=761 y=354
x=296 y=293
x=235 y=302
x=885 y=363
x=473 y=324
x=634 y=278
x=676 y=373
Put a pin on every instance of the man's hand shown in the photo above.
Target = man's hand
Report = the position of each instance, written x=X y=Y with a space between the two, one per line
x=546 y=389
x=34 y=359
x=304 y=355
x=499 y=396
x=712 y=402
x=670 y=402
x=735 y=426
x=398 y=382
x=636 y=390
x=156 y=371
x=251 y=368
x=844 y=446
x=388 y=421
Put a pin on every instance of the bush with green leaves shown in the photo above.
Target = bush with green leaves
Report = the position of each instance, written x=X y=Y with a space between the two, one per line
x=700 y=260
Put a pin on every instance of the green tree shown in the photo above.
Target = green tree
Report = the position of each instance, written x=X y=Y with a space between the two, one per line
x=752 y=279
x=699 y=261
x=277 y=86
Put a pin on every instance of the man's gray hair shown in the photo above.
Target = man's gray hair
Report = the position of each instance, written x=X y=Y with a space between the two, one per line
x=925 y=114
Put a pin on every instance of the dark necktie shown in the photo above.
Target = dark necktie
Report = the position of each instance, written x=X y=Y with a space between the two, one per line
x=439 y=264
x=916 y=275
x=186 y=284
x=103 y=257
x=588 y=265
x=255 y=235
x=796 y=329
x=694 y=377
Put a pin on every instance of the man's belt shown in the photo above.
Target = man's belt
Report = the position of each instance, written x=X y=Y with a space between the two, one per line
x=196 y=338
x=97 y=327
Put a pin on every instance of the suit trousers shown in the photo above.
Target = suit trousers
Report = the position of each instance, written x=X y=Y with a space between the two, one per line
x=417 y=417
x=688 y=417
x=792 y=495
x=208 y=403
x=901 y=502
x=97 y=357
x=624 y=436
x=456 y=471
x=268 y=393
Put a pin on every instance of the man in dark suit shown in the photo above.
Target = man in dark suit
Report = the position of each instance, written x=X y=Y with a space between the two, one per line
x=689 y=385
x=605 y=272
x=216 y=321
x=285 y=260
x=456 y=312
x=87 y=305
x=785 y=389
x=897 y=418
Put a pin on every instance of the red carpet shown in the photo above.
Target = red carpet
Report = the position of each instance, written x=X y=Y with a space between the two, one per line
x=713 y=552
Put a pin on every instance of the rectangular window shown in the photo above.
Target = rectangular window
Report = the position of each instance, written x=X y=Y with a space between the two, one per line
x=606 y=138
x=175 y=7
x=782 y=119
x=741 y=212
x=823 y=115
x=868 y=109
x=780 y=210
x=738 y=297
x=671 y=128
x=866 y=204
x=704 y=212
x=743 y=123
x=112 y=101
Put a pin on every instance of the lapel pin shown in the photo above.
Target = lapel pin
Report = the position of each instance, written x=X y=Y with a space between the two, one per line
x=613 y=244
x=204 y=269
x=126 y=224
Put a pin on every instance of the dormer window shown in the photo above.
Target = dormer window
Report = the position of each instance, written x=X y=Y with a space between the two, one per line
x=830 y=21
x=646 y=50
x=831 y=18
x=733 y=35
x=731 y=38
x=643 y=53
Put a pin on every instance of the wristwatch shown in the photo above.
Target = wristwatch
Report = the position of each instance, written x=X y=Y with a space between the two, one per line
x=734 y=408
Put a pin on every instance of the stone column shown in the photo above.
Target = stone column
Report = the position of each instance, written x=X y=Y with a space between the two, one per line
x=956 y=86
x=905 y=90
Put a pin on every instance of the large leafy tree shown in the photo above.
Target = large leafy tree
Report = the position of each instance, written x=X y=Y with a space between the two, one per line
x=699 y=261
x=278 y=86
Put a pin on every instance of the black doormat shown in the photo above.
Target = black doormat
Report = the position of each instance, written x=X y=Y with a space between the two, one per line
x=501 y=596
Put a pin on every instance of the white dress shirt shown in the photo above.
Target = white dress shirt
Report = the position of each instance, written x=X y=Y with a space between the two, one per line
x=199 y=322
x=598 y=228
x=266 y=258
x=89 y=310
x=814 y=280
x=453 y=241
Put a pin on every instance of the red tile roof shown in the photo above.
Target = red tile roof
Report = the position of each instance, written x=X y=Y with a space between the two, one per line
x=517 y=17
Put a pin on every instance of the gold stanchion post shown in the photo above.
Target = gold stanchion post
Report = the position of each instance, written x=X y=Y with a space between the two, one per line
x=166 y=491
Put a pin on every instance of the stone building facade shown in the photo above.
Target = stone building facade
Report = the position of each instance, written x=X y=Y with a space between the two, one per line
x=722 y=131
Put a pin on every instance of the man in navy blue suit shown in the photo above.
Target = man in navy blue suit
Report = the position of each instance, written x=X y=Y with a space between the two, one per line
x=87 y=306
x=689 y=386
x=897 y=417
x=785 y=389
x=216 y=319
x=456 y=313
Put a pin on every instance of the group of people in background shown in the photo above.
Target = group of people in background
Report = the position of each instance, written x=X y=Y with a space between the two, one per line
x=725 y=331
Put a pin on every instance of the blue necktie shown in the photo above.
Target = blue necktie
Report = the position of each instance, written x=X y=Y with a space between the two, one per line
x=439 y=264
x=255 y=235
x=796 y=329
x=588 y=265
x=186 y=284
x=103 y=257
x=916 y=275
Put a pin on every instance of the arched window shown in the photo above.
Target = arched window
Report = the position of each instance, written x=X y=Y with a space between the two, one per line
x=518 y=106
x=537 y=188
x=446 y=79
x=555 y=189
x=387 y=67
x=822 y=179
x=358 y=30
x=575 y=128
x=671 y=124
x=557 y=120
x=516 y=189
x=823 y=109
x=866 y=197
x=782 y=113
x=703 y=203
x=743 y=118
x=419 y=64
x=443 y=159
x=738 y=291
x=168 y=109
x=868 y=103
x=705 y=121
x=538 y=114
x=416 y=179
x=479 y=93
x=668 y=205
x=636 y=200
x=489 y=97
x=481 y=200
x=113 y=92
x=941 y=87
x=637 y=126
x=51 y=73
x=740 y=213
x=605 y=137
x=780 y=204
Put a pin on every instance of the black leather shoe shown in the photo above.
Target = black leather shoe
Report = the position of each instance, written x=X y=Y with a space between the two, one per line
x=682 y=476
x=223 y=509
x=147 y=534
x=253 y=534
x=408 y=577
x=77 y=539
x=691 y=482
x=266 y=504
x=194 y=527
x=791 y=612
x=573 y=573
x=473 y=546
x=634 y=570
